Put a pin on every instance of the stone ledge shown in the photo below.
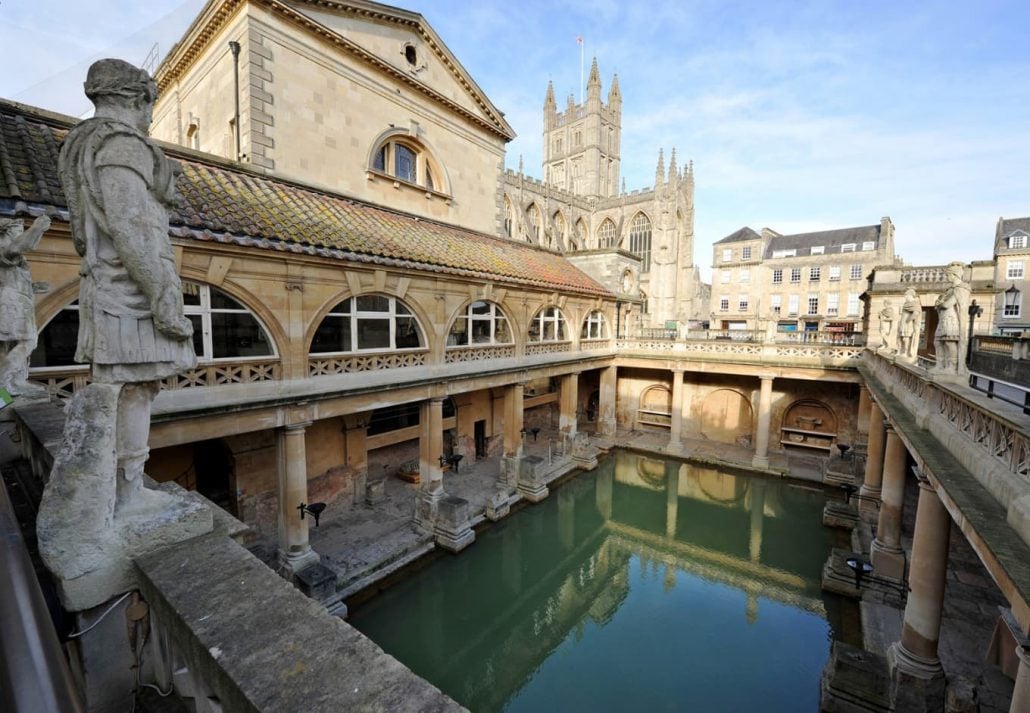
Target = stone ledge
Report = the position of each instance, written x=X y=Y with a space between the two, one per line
x=261 y=645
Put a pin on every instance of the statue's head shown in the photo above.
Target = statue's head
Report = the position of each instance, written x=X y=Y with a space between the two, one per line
x=115 y=82
x=954 y=271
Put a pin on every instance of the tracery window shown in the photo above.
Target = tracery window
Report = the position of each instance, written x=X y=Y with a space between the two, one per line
x=594 y=326
x=509 y=217
x=535 y=223
x=640 y=240
x=367 y=323
x=548 y=326
x=481 y=323
x=606 y=234
x=561 y=229
x=581 y=234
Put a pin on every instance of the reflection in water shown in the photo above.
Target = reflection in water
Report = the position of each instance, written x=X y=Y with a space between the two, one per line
x=642 y=585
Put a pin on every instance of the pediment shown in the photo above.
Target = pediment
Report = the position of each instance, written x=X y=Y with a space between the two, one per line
x=405 y=45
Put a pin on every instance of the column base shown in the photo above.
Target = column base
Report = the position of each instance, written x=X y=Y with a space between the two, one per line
x=453 y=529
x=869 y=510
x=840 y=515
x=917 y=683
x=290 y=563
x=760 y=462
x=854 y=681
x=888 y=562
x=427 y=506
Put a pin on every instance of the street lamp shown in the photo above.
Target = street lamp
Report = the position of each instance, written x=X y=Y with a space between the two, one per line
x=975 y=311
x=1011 y=301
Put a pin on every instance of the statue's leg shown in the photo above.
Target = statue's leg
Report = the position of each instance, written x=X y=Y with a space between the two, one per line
x=15 y=368
x=134 y=404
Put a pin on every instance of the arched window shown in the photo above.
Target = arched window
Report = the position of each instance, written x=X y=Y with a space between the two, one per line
x=222 y=329
x=509 y=218
x=548 y=326
x=481 y=323
x=640 y=240
x=408 y=161
x=606 y=234
x=594 y=326
x=367 y=323
x=535 y=222
x=581 y=234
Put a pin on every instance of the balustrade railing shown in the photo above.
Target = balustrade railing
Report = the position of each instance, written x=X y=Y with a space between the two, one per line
x=925 y=275
x=64 y=382
x=548 y=348
x=353 y=363
x=455 y=355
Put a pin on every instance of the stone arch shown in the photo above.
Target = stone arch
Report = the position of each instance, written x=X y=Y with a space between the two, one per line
x=657 y=397
x=726 y=417
x=813 y=416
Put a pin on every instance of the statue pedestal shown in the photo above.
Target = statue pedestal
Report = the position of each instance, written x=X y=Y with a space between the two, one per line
x=87 y=547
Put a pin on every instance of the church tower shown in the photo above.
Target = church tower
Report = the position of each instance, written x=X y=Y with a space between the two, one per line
x=582 y=144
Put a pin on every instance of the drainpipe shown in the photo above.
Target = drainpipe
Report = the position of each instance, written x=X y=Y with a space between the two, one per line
x=234 y=47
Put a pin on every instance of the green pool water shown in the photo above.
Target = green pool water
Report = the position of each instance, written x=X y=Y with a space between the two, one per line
x=640 y=586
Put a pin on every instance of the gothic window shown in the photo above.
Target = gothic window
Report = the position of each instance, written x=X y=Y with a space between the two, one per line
x=367 y=323
x=606 y=234
x=594 y=326
x=481 y=323
x=535 y=223
x=581 y=234
x=509 y=218
x=548 y=326
x=561 y=230
x=408 y=161
x=640 y=240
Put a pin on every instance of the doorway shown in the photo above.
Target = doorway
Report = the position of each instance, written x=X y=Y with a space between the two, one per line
x=216 y=473
x=480 y=435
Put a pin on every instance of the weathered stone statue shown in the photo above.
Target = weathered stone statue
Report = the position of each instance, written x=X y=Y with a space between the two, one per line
x=17 y=310
x=771 y=325
x=119 y=187
x=887 y=326
x=952 y=307
x=908 y=326
x=96 y=514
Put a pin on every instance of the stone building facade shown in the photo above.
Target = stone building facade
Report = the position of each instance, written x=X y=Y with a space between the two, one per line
x=1012 y=262
x=807 y=282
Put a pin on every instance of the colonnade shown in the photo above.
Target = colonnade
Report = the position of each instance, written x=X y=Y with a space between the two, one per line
x=914 y=658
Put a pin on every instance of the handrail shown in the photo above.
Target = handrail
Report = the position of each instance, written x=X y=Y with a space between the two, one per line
x=34 y=675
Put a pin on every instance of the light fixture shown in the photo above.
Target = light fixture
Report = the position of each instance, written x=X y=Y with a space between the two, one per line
x=535 y=430
x=1011 y=296
x=314 y=509
x=863 y=570
x=850 y=491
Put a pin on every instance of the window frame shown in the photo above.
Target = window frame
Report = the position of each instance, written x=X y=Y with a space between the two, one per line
x=428 y=173
x=354 y=318
x=1015 y=274
x=495 y=316
x=547 y=317
x=595 y=327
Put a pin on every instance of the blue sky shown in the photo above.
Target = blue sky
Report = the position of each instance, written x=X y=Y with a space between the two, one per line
x=798 y=116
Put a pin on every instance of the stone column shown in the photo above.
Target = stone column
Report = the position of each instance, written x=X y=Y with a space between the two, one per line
x=609 y=385
x=915 y=656
x=676 y=425
x=355 y=450
x=1021 y=691
x=513 y=422
x=295 y=551
x=865 y=403
x=568 y=402
x=872 y=482
x=430 y=448
x=761 y=457
x=887 y=556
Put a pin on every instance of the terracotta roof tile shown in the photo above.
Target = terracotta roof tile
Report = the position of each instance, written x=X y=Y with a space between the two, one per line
x=224 y=204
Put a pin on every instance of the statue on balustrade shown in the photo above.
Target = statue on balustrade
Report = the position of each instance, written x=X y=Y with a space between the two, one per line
x=96 y=515
x=908 y=326
x=887 y=326
x=17 y=308
x=952 y=313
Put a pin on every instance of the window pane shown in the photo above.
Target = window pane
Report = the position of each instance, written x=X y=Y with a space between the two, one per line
x=333 y=335
x=459 y=334
x=220 y=300
x=373 y=303
x=404 y=162
x=480 y=331
x=407 y=333
x=57 y=341
x=501 y=333
x=480 y=308
x=401 y=309
x=342 y=308
x=236 y=335
x=379 y=162
x=373 y=334
x=191 y=294
x=198 y=335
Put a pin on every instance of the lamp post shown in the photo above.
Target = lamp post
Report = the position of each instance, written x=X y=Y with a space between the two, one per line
x=975 y=311
x=1011 y=301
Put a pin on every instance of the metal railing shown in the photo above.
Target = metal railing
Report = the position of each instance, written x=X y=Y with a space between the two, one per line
x=34 y=675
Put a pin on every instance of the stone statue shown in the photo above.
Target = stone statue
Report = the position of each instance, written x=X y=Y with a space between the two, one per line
x=96 y=516
x=952 y=308
x=119 y=187
x=908 y=326
x=17 y=308
x=886 y=326
x=771 y=325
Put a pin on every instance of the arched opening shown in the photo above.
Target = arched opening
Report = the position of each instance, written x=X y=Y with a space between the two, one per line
x=215 y=470
x=368 y=323
x=809 y=424
x=726 y=417
x=655 y=407
x=606 y=234
x=640 y=240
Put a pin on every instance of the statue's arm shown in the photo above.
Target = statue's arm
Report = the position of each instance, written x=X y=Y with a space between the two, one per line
x=138 y=241
x=29 y=239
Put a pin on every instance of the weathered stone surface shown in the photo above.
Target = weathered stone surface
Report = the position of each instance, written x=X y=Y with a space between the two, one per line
x=261 y=645
x=17 y=309
x=453 y=525
x=854 y=681
x=499 y=505
x=531 y=482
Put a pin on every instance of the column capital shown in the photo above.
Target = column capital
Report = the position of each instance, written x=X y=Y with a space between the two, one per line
x=766 y=376
x=298 y=426
x=922 y=479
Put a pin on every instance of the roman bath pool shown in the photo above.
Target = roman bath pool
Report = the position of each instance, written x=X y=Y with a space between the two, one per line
x=642 y=585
